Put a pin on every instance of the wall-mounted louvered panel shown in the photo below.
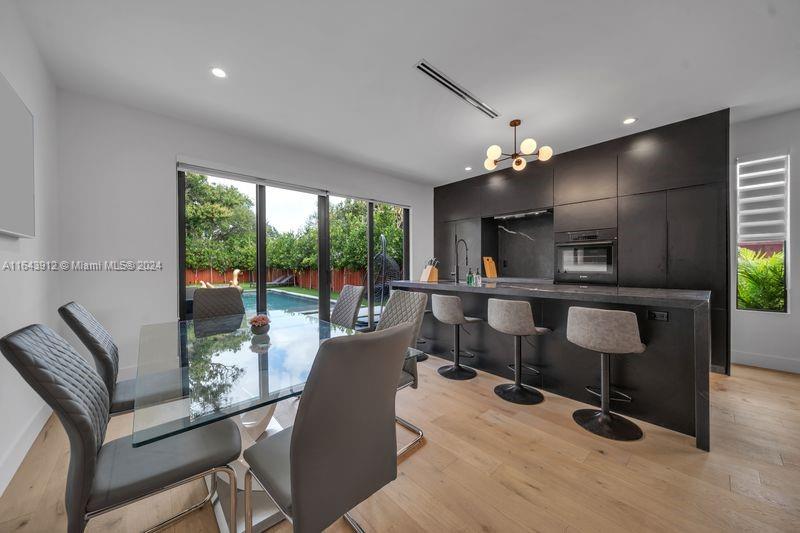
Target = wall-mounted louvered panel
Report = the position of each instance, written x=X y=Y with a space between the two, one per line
x=762 y=199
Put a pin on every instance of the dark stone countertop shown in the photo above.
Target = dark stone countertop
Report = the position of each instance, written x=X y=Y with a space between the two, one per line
x=586 y=293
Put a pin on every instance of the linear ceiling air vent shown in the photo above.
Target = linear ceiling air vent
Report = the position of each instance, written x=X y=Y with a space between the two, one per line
x=454 y=88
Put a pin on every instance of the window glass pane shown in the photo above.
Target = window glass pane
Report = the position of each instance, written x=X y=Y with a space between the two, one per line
x=292 y=246
x=762 y=201
x=220 y=228
x=388 y=263
x=348 y=253
x=761 y=276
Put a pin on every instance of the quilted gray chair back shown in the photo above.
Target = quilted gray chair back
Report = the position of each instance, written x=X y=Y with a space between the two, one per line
x=77 y=395
x=224 y=301
x=403 y=307
x=604 y=330
x=96 y=339
x=343 y=445
x=345 y=312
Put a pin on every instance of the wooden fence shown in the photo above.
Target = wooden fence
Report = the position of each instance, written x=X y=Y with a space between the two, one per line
x=306 y=278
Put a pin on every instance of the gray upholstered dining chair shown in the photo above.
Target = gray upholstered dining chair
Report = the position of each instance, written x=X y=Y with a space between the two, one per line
x=223 y=301
x=404 y=307
x=341 y=448
x=103 y=477
x=345 y=312
x=104 y=351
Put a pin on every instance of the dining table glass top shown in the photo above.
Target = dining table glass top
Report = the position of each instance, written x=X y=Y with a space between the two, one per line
x=195 y=372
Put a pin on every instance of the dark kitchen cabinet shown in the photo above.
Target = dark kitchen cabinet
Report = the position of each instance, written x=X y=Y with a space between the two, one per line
x=720 y=362
x=642 y=245
x=596 y=214
x=685 y=154
x=456 y=201
x=445 y=235
x=510 y=191
x=586 y=174
x=697 y=243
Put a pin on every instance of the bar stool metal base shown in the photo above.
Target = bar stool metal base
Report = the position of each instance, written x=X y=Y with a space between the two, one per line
x=521 y=394
x=456 y=371
x=459 y=373
x=608 y=425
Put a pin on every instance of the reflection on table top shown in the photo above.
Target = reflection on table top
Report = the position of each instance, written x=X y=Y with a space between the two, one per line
x=195 y=372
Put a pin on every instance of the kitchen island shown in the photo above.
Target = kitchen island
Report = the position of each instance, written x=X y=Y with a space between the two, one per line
x=667 y=384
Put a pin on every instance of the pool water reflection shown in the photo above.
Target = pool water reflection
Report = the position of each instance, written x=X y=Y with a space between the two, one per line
x=280 y=301
x=217 y=367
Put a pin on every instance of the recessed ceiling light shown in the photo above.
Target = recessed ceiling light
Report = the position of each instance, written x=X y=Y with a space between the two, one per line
x=467 y=168
x=218 y=72
x=629 y=120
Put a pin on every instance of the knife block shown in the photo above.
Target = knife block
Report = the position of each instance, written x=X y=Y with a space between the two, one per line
x=430 y=274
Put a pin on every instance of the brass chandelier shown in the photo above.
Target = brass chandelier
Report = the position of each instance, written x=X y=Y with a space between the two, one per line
x=495 y=154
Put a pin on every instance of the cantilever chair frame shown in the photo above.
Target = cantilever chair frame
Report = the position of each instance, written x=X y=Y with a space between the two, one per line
x=212 y=492
x=248 y=506
x=409 y=426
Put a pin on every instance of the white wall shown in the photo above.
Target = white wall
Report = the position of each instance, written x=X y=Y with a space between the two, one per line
x=118 y=201
x=27 y=297
x=770 y=340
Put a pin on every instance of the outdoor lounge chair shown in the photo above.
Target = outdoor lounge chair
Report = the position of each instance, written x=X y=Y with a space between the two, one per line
x=281 y=281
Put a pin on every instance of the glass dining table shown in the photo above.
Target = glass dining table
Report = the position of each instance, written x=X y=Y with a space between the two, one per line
x=196 y=372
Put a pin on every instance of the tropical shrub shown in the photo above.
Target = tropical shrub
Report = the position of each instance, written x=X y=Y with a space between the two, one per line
x=221 y=232
x=761 y=281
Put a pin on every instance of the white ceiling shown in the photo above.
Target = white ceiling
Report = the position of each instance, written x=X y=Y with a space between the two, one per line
x=339 y=77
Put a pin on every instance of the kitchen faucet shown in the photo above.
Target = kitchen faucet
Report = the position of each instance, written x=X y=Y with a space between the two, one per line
x=466 y=255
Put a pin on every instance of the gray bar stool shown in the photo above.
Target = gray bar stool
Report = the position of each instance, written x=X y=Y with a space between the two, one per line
x=514 y=317
x=448 y=309
x=607 y=332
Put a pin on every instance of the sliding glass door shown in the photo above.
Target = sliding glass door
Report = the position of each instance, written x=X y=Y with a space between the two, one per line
x=286 y=249
x=349 y=249
x=219 y=237
x=292 y=250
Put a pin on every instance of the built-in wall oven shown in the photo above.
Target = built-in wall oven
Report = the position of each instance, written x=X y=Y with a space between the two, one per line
x=586 y=256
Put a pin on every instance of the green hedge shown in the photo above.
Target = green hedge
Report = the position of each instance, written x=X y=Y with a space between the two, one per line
x=761 y=281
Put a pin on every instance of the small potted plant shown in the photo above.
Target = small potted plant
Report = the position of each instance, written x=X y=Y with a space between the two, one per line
x=259 y=324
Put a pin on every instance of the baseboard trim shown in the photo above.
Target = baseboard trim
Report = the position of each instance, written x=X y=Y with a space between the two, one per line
x=16 y=454
x=773 y=362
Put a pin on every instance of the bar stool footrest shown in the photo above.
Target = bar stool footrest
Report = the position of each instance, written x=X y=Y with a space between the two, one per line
x=465 y=353
x=532 y=369
x=614 y=395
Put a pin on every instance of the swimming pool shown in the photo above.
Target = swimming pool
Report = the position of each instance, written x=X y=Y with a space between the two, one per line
x=280 y=301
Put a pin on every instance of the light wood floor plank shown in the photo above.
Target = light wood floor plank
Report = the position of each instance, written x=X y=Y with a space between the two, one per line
x=487 y=465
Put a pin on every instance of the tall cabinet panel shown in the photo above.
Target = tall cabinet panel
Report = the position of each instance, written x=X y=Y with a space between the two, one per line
x=443 y=234
x=642 y=243
x=697 y=245
x=697 y=240
x=444 y=238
